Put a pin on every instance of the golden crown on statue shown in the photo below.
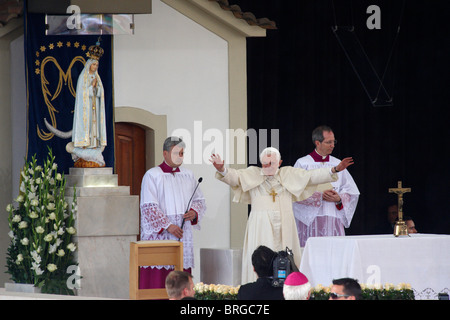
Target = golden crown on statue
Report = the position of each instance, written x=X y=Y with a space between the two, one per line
x=95 y=51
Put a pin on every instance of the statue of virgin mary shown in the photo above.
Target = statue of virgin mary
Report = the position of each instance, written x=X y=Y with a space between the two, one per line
x=89 y=123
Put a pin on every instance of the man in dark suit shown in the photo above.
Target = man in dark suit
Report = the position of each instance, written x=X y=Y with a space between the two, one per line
x=388 y=223
x=261 y=289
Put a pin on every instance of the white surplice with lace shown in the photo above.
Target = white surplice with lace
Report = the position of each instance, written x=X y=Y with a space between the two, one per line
x=318 y=218
x=164 y=199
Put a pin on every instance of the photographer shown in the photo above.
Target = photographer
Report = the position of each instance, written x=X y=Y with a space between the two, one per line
x=262 y=288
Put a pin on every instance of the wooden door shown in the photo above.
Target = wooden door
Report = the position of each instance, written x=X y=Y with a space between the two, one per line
x=130 y=155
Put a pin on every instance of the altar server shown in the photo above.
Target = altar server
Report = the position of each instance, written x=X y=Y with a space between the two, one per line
x=325 y=213
x=172 y=205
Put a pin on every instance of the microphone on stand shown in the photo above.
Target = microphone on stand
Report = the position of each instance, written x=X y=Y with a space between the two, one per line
x=189 y=203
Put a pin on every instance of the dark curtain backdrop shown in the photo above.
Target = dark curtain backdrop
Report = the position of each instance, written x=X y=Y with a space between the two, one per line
x=299 y=77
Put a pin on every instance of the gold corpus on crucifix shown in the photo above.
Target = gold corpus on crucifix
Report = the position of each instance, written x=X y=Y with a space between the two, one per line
x=400 y=228
x=273 y=194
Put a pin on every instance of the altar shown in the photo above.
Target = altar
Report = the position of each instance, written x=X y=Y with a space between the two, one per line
x=421 y=260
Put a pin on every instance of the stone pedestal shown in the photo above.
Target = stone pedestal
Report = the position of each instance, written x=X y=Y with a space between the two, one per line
x=107 y=221
x=21 y=287
x=221 y=266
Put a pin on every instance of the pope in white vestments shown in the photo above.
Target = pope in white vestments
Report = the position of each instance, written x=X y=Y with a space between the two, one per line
x=271 y=191
x=165 y=202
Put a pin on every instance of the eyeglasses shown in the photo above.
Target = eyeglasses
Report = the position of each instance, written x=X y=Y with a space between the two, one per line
x=330 y=142
x=334 y=295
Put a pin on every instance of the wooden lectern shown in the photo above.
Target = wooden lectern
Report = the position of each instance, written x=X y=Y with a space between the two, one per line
x=152 y=253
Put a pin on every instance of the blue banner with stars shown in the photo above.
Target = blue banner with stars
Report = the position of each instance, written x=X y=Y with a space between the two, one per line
x=53 y=64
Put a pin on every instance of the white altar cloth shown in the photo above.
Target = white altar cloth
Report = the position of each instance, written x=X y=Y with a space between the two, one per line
x=421 y=260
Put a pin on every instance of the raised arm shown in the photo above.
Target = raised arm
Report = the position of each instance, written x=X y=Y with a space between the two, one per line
x=217 y=162
x=346 y=162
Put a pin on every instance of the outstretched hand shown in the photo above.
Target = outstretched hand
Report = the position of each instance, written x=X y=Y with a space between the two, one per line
x=217 y=162
x=345 y=163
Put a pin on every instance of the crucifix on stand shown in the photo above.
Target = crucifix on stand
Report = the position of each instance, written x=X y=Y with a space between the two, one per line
x=400 y=228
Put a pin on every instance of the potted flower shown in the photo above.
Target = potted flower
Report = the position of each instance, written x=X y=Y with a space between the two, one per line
x=42 y=226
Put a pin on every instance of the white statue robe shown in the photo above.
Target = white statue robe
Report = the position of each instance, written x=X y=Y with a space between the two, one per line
x=165 y=197
x=89 y=124
x=271 y=223
x=318 y=218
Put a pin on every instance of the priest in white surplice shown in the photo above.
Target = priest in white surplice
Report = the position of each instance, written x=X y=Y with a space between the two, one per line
x=165 y=194
x=271 y=190
x=325 y=213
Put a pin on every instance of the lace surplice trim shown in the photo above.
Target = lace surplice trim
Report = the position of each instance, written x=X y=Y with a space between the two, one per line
x=429 y=293
x=198 y=206
x=314 y=201
x=311 y=206
x=349 y=202
x=153 y=219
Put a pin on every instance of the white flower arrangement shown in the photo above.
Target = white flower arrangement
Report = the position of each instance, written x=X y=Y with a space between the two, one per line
x=42 y=227
x=388 y=291
x=215 y=291
x=378 y=291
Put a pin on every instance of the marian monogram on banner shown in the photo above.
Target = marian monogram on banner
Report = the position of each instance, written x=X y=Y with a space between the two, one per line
x=54 y=63
x=51 y=91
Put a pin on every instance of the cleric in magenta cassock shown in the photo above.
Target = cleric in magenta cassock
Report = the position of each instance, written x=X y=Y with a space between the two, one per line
x=165 y=194
x=325 y=213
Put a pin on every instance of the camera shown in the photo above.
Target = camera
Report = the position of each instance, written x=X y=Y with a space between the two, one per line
x=283 y=265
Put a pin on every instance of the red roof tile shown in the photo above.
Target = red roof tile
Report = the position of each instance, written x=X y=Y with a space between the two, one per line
x=247 y=16
x=11 y=9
